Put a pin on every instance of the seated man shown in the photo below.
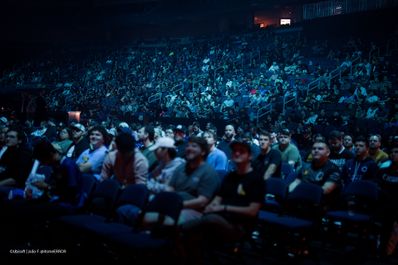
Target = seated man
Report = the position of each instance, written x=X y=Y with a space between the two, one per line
x=234 y=209
x=362 y=167
x=321 y=171
x=91 y=160
x=166 y=154
x=196 y=181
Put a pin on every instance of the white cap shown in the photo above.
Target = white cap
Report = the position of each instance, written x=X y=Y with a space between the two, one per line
x=124 y=125
x=79 y=126
x=165 y=142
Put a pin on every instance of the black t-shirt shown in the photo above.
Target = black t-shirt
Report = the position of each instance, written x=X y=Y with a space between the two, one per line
x=241 y=190
x=328 y=172
x=339 y=159
x=262 y=162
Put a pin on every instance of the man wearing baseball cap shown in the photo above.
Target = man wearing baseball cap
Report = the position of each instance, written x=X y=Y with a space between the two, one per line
x=195 y=181
x=80 y=141
x=166 y=154
x=233 y=211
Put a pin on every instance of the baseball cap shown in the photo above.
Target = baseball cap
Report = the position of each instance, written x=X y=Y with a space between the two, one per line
x=124 y=125
x=79 y=126
x=180 y=128
x=165 y=142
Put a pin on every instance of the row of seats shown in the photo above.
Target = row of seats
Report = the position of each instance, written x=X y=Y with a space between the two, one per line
x=98 y=226
x=287 y=220
x=292 y=219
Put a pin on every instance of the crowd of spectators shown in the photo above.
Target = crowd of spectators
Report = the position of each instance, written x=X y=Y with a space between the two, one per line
x=227 y=79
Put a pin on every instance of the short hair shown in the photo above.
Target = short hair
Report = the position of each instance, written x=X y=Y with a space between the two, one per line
x=265 y=133
x=319 y=135
x=362 y=138
x=322 y=142
x=211 y=132
x=285 y=131
x=150 y=130
x=201 y=142
x=335 y=135
x=21 y=135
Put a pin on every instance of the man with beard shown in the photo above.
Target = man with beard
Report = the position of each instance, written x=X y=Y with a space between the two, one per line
x=195 y=181
x=321 y=171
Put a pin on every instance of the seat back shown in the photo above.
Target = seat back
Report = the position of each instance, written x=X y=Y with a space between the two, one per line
x=88 y=183
x=275 y=193
x=361 y=195
x=104 y=197
x=288 y=172
x=363 y=188
x=305 y=201
x=136 y=194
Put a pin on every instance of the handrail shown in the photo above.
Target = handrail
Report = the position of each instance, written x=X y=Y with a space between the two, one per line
x=155 y=97
x=332 y=75
x=287 y=100
x=260 y=114
x=177 y=90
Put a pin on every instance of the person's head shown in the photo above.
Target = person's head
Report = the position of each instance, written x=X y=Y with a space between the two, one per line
x=179 y=133
x=274 y=137
x=394 y=153
x=284 y=137
x=169 y=133
x=335 y=141
x=247 y=137
x=46 y=152
x=374 y=141
x=320 y=152
x=318 y=138
x=264 y=139
x=65 y=134
x=229 y=132
x=361 y=147
x=15 y=137
x=210 y=137
x=210 y=126
x=347 y=141
x=195 y=127
x=125 y=143
x=98 y=137
x=146 y=133
x=164 y=148
x=197 y=148
x=241 y=152
x=78 y=131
